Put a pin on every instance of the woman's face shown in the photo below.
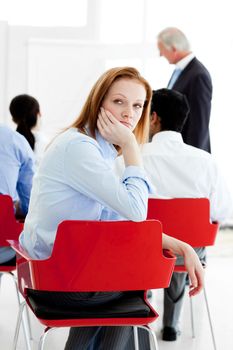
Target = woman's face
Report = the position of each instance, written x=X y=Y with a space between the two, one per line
x=125 y=100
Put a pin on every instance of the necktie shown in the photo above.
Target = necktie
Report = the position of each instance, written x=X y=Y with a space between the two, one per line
x=174 y=77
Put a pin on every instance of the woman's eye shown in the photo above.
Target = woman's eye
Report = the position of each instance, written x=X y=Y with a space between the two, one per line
x=138 y=106
x=119 y=102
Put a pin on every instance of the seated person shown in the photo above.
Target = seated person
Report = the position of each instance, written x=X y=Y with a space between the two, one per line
x=25 y=111
x=16 y=173
x=76 y=181
x=179 y=170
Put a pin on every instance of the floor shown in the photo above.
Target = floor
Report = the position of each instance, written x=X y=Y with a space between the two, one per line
x=219 y=285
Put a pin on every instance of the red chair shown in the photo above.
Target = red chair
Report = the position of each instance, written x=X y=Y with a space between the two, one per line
x=98 y=256
x=10 y=228
x=187 y=219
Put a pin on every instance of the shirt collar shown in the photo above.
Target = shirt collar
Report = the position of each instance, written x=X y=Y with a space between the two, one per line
x=167 y=135
x=185 y=61
x=109 y=151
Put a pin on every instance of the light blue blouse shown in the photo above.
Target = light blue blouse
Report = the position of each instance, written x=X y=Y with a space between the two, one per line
x=16 y=173
x=76 y=181
x=17 y=166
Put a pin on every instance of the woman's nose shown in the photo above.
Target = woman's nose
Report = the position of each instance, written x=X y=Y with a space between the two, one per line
x=127 y=113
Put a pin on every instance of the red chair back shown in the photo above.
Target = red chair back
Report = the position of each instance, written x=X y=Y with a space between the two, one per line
x=187 y=219
x=10 y=228
x=100 y=256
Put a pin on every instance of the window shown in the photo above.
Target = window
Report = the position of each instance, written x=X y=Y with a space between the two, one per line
x=121 y=21
x=70 y=13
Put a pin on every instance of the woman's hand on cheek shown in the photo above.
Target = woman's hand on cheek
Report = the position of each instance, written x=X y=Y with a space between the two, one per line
x=112 y=130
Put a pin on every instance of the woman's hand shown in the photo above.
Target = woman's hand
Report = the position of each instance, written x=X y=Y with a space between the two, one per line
x=112 y=130
x=191 y=262
x=194 y=269
x=118 y=134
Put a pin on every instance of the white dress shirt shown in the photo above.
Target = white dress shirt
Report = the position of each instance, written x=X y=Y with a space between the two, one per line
x=41 y=142
x=178 y=170
x=76 y=181
x=182 y=64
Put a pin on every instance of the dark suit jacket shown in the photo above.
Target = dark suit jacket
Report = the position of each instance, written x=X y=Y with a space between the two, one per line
x=195 y=82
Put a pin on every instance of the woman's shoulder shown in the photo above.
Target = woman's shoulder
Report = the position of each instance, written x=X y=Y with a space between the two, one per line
x=73 y=143
x=72 y=138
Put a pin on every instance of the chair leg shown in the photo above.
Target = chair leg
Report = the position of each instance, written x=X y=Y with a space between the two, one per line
x=152 y=337
x=43 y=337
x=210 y=321
x=192 y=318
x=17 y=328
x=135 y=333
x=28 y=322
x=25 y=317
x=26 y=328
x=42 y=341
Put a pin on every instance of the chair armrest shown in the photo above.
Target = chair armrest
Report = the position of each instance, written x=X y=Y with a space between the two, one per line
x=23 y=261
x=19 y=249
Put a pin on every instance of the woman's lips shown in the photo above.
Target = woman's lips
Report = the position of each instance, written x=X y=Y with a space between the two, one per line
x=128 y=125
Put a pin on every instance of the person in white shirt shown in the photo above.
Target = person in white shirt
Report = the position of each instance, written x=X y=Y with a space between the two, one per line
x=180 y=170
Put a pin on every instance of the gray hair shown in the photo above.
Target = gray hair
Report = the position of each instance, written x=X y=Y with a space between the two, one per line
x=173 y=37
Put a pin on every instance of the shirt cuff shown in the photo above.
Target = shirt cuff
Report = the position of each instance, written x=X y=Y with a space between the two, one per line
x=133 y=171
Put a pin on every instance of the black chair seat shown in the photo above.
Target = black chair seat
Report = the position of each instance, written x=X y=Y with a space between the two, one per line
x=129 y=305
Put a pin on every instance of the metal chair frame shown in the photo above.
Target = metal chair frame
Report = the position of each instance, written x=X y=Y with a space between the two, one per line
x=10 y=228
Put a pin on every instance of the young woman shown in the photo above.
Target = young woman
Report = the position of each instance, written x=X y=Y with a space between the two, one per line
x=76 y=181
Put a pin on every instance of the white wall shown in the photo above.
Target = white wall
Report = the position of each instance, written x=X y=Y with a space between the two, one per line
x=62 y=72
x=3 y=65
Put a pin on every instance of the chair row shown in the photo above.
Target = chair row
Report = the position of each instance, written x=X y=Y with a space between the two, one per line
x=105 y=256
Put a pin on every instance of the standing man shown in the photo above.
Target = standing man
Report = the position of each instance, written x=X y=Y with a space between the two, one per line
x=193 y=80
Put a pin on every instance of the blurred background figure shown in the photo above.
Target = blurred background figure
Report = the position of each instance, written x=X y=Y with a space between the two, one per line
x=180 y=170
x=191 y=78
x=25 y=111
x=16 y=173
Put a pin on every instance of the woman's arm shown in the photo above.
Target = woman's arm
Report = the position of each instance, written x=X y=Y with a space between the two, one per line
x=191 y=261
x=88 y=169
